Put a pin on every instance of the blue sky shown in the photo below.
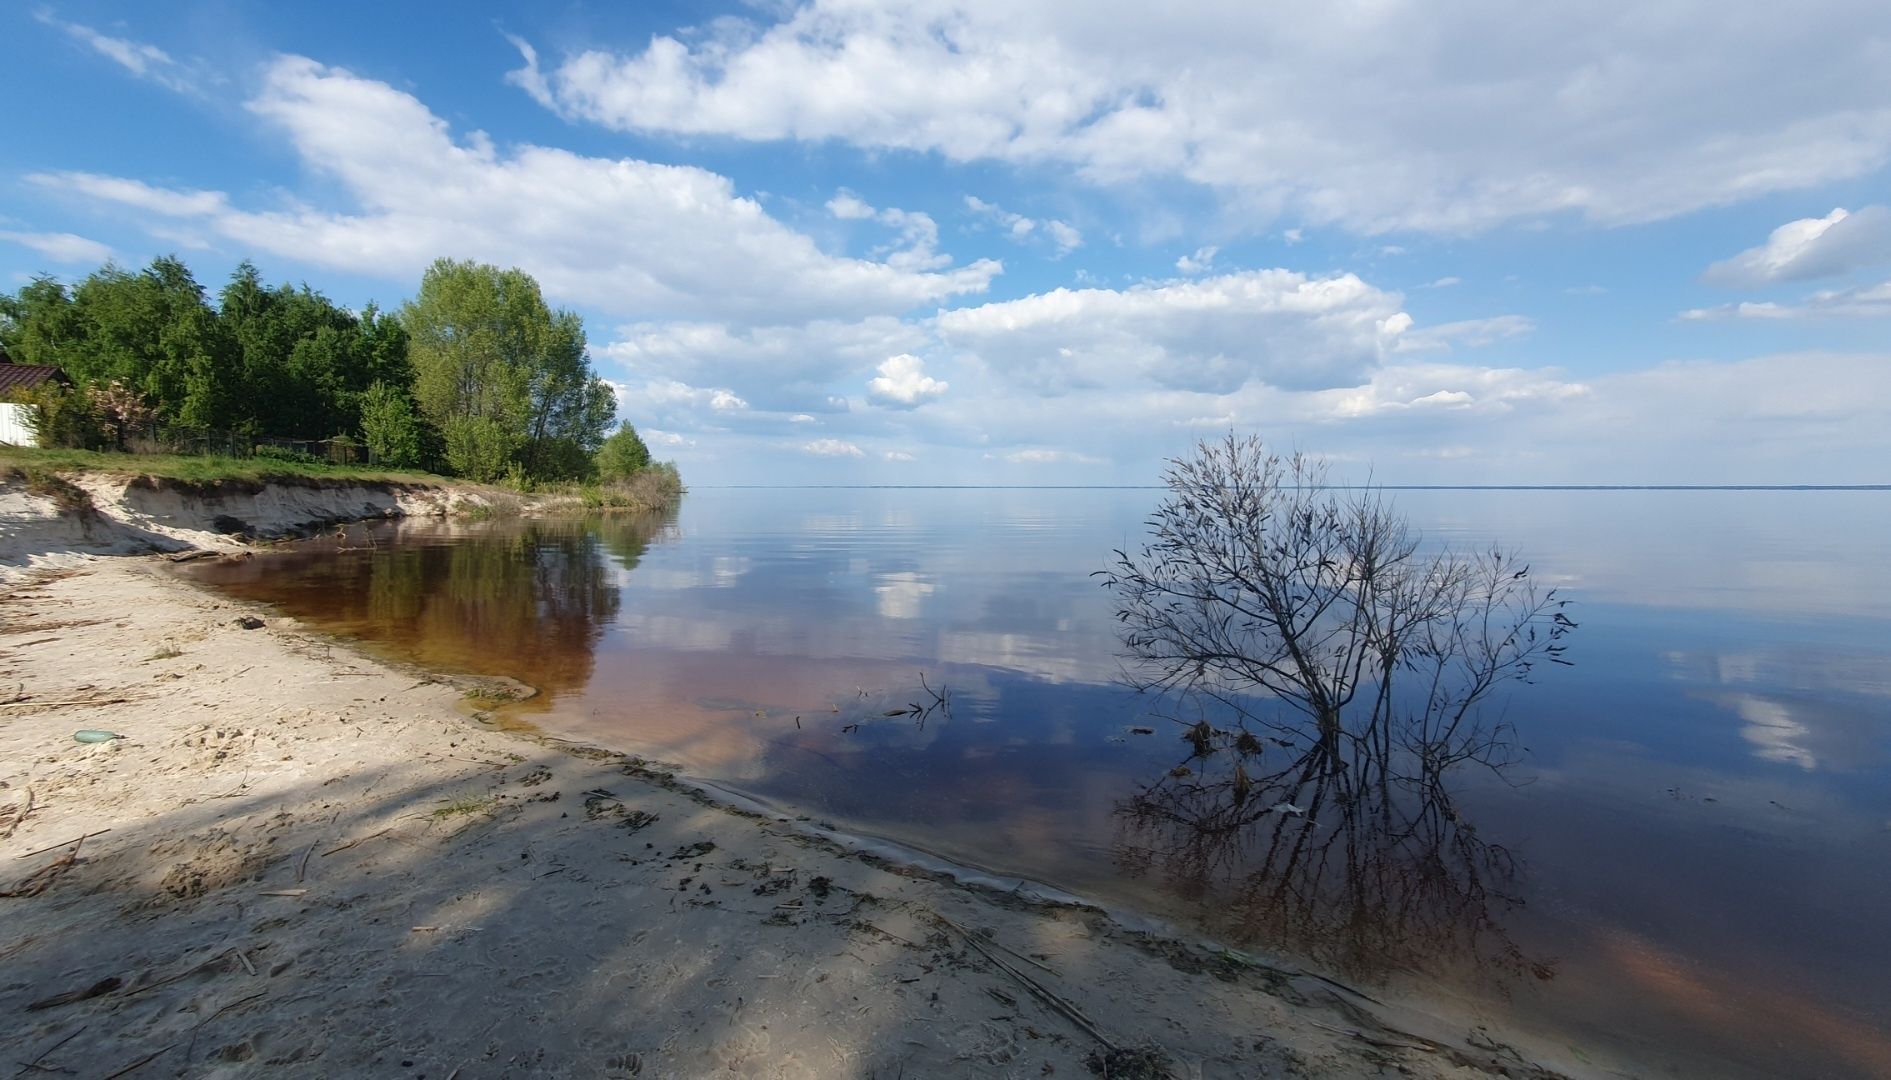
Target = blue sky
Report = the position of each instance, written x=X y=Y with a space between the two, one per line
x=849 y=242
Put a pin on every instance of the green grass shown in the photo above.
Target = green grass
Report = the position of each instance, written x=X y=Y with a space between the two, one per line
x=25 y=460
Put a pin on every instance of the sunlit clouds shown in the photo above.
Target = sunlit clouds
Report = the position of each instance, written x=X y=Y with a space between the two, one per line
x=968 y=242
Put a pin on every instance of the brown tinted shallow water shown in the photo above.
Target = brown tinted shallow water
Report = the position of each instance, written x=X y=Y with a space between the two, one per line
x=1686 y=863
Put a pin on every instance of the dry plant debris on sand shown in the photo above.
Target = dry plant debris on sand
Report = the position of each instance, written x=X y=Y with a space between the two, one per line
x=285 y=871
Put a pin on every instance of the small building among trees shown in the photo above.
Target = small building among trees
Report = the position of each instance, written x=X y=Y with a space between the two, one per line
x=17 y=381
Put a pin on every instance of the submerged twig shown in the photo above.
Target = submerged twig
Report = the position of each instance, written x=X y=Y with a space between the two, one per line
x=97 y=989
x=43 y=1054
x=239 y=1001
x=169 y=979
x=140 y=1063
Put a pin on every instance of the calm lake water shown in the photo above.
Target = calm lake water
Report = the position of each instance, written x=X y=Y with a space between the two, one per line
x=1688 y=863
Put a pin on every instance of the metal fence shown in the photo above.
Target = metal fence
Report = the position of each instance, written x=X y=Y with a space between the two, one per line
x=160 y=438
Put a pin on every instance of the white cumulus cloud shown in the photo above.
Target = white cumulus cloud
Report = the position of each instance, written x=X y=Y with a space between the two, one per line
x=1391 y=115
x=917 y=248
x=1837 y=243
x=1064 y=236
x=621 y=234
x=1199 y=262
x=782 y=368
x=903 y=383
x=1216 y=334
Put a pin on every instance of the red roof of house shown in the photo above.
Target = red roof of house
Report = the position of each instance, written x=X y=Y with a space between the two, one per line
x=27 y=376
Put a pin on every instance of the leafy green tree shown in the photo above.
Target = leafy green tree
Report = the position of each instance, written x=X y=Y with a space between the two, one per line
x=41 y=325
x=504 y=378
x=623 y=455
x=479 y=447
x=391 y=427
x=306 y=362
x=383 y=355
x=155 y=332
x=152 y=331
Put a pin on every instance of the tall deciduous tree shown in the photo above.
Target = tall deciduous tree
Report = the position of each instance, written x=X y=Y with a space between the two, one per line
x=504 y=378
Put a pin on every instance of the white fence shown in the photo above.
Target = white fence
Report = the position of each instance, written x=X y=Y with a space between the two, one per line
x=13 y=429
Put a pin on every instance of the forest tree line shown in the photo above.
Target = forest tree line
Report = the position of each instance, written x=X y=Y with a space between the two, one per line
x=476 y=376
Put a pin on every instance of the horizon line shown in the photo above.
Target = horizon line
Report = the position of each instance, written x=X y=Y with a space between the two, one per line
x=1347 y=487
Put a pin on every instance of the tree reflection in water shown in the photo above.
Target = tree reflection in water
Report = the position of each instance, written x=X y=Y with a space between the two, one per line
x=1337 y=673
x=529 y=599
x=1366 y=866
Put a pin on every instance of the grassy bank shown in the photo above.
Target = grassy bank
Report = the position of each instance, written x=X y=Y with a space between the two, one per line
x=654 y=488
x=201 y=469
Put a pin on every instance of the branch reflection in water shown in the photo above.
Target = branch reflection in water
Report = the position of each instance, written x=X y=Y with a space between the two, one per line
x=1335 y=675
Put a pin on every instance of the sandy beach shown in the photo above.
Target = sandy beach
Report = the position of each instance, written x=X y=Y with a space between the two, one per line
x=301 y=860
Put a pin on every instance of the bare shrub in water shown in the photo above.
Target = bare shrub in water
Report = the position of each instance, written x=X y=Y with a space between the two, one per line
x=1295 y=604
x=1279 y=611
